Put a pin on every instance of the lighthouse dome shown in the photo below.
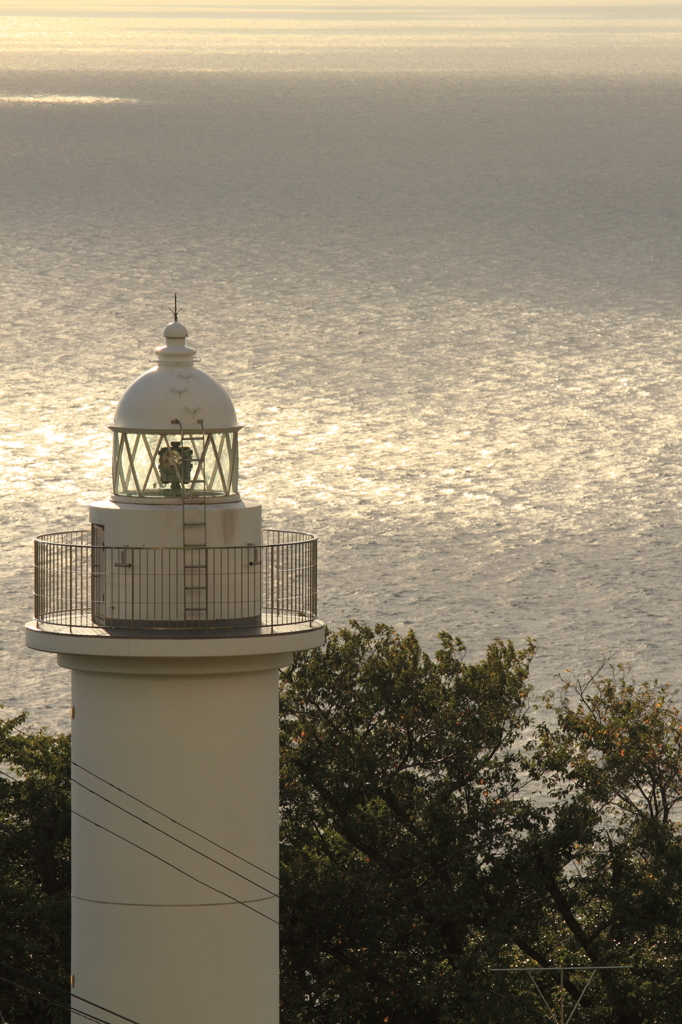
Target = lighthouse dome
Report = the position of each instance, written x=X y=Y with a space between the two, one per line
x=175 y=391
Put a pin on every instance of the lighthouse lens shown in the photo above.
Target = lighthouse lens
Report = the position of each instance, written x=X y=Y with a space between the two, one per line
x=170 y=460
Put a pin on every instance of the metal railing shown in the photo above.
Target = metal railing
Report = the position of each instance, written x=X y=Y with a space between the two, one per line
x=82 y=585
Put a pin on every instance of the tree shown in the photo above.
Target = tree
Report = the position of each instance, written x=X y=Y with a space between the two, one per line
x=424 y=842
x=612 y=767
x=35 y=877
x=400 y=782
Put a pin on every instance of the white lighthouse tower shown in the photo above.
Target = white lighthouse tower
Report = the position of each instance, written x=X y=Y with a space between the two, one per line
x=174 y=613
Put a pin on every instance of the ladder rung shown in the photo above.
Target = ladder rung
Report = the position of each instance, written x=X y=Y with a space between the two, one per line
x=194 y=524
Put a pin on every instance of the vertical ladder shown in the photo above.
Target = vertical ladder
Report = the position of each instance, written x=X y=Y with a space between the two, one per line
x=195 y=553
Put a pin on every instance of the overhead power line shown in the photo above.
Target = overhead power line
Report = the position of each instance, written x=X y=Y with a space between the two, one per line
x=245 y=903
x=50 y=984
x=71 y=1009
x=40 y=981
x=175 y=839
x=175 y=821
x=116 y=903
x=233 y=899
x=98 y=1007
x=175 y=867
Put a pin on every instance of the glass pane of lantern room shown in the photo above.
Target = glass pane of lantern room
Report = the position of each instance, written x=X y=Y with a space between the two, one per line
x=216 y=473
x=171 y=465
x=220 y=475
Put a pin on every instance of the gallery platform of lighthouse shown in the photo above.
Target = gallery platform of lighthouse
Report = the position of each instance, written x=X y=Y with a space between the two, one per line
x=174 y=612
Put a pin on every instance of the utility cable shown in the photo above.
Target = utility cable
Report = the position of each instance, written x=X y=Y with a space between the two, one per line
x=186 y=845
x=98 y=1007
x=233 y=899
x=71 y=1009
x=175 y=822
x=243 y=903
x=114 y=903
x=175 y=867
x=50 y=984
x=32 y=977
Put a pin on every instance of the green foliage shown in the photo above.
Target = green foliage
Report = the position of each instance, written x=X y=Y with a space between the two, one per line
x=400 y=782
x=424 y=842
x=431 y=829
x=35 y=876
x=613 y=769
x=616 y=741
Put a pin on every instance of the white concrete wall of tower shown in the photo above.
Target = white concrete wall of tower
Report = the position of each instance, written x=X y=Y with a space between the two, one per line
x=226 y=580
x=195 y=737
x=142 y=524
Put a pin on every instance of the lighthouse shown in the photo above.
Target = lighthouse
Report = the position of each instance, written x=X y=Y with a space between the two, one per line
x=174 y=612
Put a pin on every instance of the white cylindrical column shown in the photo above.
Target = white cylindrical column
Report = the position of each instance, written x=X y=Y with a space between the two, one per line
x=195 y=739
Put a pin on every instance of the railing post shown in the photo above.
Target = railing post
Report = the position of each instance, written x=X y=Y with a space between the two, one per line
x=36 y=580
x=70 y=586
x=272 y=590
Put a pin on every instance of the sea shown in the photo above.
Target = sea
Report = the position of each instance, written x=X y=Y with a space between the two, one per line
x=435 y=255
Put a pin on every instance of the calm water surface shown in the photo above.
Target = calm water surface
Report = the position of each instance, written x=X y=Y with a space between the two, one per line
x=435 y=257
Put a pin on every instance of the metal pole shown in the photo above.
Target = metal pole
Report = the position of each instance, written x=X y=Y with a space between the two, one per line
x=272 y=590
x=529 y=971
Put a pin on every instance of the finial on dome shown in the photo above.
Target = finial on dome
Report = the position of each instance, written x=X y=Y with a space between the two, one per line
x=175 y=329
x=175 y=309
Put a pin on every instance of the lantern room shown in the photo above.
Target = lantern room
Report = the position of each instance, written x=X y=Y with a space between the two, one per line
x=175 y=432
